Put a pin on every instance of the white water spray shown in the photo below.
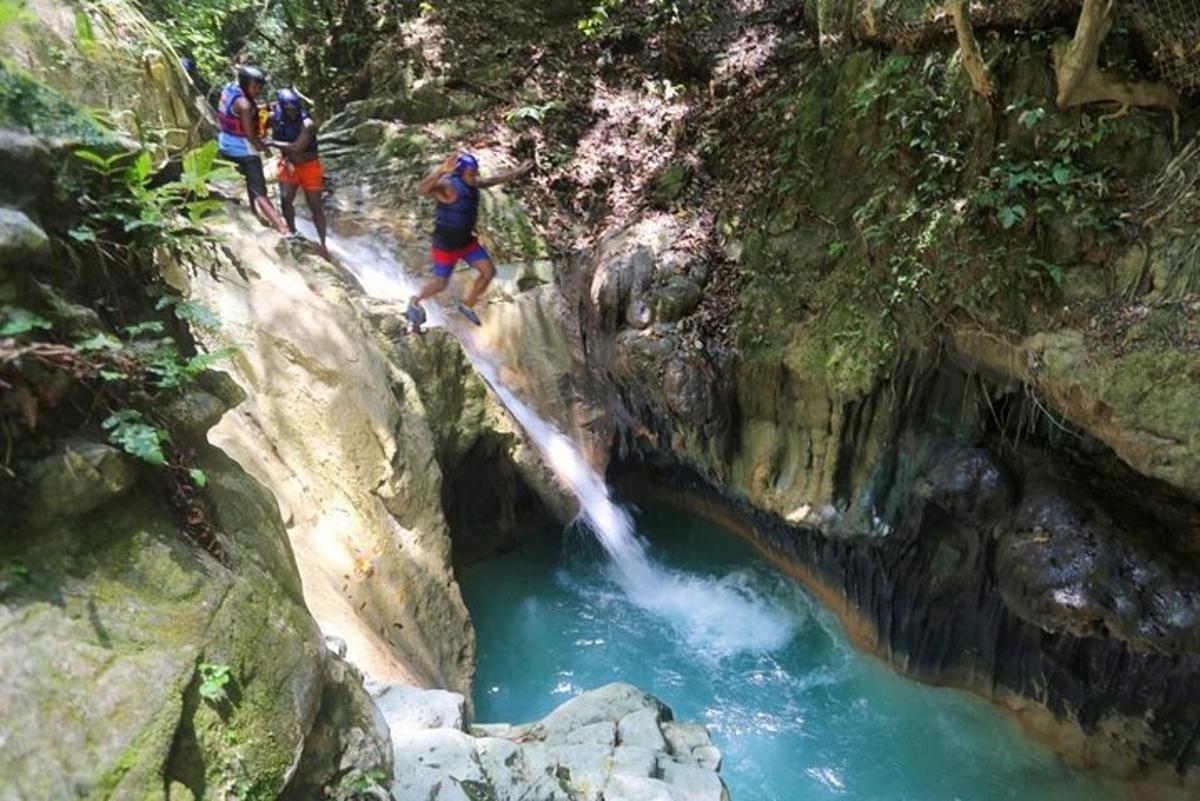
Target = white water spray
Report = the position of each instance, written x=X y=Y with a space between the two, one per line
x=719 y=617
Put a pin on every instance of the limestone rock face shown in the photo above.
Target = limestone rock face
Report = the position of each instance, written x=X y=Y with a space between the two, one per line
x=341 y=436
x=1141 y=403
x=605 y=744
x=130 y=67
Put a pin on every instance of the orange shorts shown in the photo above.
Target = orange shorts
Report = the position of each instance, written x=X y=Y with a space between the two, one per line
x=309 y=176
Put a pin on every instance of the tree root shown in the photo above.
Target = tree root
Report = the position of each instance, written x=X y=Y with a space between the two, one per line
x=1081 y=81
x=972 y=59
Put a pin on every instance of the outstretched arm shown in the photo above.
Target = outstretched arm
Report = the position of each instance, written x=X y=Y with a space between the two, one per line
x=505 y=177
x=433 y=186
x=307 y=133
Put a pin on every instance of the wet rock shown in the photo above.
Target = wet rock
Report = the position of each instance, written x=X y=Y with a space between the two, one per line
x=22 y=242
x=81 y=478
x=1065 y=565
x=966 y=483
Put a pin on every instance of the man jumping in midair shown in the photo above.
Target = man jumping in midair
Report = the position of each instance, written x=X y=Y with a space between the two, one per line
x=455 y=186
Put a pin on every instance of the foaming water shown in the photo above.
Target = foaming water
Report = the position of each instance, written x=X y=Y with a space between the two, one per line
x=804 y=720
x=715 y=616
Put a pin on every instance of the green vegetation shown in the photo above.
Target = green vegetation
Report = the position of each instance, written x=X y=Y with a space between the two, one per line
x=321 y=46
x=214 y=678
x=357 y=784
x=643 y=17
x=958 y=211
x=128 y=429
x=127 y=211
x=26 y=105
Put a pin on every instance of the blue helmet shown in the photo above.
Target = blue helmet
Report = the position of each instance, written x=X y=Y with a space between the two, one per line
x=289 y=97
x=465 y=162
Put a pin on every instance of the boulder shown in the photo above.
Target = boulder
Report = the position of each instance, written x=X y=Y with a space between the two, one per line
x=104 y=639
x=675 y=299
x=80 y=478
x=349 y=741
x=370 y=132
x=694 y=783
x=192 y=413
x=611 y=702
x=406 y=708
x=568 y=756
x=22 y=243
x=631 y=760
x=640 y=729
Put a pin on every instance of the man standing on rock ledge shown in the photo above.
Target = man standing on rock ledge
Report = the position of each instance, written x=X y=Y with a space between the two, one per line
x=455 y=186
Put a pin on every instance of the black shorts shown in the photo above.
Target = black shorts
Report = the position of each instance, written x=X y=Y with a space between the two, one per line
x=251 y=167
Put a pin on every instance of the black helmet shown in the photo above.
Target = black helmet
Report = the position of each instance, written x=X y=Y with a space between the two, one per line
x=248 y=75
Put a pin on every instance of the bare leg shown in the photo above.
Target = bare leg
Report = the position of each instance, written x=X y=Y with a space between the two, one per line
x=264 y=205
x=486 y=273
x=433 y=287
x=287 y=202
x=317 y=207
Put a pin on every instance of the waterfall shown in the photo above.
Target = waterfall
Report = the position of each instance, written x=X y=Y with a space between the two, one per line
x=721 y=616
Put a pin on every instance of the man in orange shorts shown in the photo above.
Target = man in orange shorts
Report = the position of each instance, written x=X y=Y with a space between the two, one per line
x=294 y=132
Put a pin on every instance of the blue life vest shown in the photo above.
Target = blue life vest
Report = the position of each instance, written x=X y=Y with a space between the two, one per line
x=232 y=139
x=289 y=130
x=462 y=213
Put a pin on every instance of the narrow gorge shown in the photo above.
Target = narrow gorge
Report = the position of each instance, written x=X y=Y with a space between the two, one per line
x=832 y=430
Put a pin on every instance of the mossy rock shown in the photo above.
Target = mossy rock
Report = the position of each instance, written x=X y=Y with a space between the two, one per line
x=102 y=639
x=105 y=56
x=406 y=145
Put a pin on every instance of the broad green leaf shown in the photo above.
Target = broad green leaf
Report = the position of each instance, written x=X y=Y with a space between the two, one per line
x=146 y=327
x=98 y=342
x=16 y=321
x=1011 y=215
x=198 y=477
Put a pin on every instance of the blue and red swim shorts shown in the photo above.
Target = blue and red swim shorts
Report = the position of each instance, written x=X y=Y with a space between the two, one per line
x=444 y=260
